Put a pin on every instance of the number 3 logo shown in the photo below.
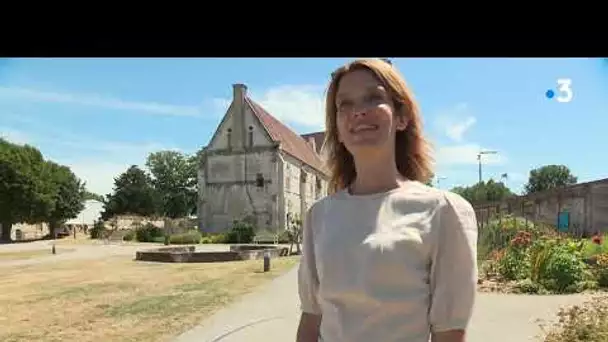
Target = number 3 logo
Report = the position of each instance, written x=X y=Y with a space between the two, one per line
x=564 y=86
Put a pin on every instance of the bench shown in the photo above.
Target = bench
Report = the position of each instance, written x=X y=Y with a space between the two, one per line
x=266 y=237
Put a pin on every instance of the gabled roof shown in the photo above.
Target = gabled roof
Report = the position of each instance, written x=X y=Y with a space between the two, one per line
x=290 y=142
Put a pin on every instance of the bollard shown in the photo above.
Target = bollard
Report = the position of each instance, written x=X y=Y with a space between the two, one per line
x=53 y=249
x=266 y=261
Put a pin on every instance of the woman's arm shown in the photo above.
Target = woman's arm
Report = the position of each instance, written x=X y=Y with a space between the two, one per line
x=308 y=329
x=453 y=270
x=308 y=285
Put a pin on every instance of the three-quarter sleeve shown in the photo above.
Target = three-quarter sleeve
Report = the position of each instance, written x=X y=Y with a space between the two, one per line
x=453 y=277
x=308 y=281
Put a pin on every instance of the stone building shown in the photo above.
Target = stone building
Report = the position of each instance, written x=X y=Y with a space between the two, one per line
x=580 y=208
x=254 y=166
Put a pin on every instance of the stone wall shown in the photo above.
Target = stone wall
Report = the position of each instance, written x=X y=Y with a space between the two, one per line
x=239 y=185
x=302 y=186
x=29 y=231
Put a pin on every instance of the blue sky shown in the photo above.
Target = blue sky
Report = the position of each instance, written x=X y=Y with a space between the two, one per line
x=101 y=115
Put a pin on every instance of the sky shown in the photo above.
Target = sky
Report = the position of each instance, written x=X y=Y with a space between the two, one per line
x=99 y=116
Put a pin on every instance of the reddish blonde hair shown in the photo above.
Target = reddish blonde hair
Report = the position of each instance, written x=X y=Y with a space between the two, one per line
x=412 y=150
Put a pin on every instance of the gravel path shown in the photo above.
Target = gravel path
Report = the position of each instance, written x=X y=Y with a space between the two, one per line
x=271 y=314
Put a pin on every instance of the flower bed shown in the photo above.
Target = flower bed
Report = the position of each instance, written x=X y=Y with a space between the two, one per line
x=519 y=257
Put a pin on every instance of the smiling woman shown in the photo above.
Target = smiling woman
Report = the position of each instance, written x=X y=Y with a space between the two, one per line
x=385 y=257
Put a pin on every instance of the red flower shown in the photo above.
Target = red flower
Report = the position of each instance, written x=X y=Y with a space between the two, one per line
x=597 y=239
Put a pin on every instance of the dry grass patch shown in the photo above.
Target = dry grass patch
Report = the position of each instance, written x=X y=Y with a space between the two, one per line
x=30 y=254
x=120 y=300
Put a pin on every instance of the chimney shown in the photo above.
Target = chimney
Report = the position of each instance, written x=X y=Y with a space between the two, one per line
x=239 y=91
x=311 y=141
x=238 y=122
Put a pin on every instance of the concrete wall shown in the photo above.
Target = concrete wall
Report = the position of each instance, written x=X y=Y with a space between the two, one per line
x=586 y=203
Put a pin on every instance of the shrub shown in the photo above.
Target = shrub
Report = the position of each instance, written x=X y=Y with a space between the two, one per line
x=214 y=238
x=515 y=263
x=98 y=231
x=190 y=237
x=241 y=232
x=497 y=234
x=129 y=236
x=586 y=323
x=149 y=233
x=600 y=269
x=597 y=244
x=564 y=269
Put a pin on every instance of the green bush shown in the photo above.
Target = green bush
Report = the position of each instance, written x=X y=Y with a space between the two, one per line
x=98 y=231
x=129 y=236
x=190 y=237
x=564 y=268
x=241 y=232
x=514 y=263
x=497 y=234
x=149 y=233
x=595 y=245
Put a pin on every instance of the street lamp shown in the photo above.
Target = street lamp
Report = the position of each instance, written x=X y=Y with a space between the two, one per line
x=439 y=179
x=479 y=159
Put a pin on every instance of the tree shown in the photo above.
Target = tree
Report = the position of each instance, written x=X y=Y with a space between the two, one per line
x=548 y=177
x=488 y=191
x=429 y=182
x=92 y=196
x=133 y=194
x=174 y=176
x=68 y=195
x=26 y=195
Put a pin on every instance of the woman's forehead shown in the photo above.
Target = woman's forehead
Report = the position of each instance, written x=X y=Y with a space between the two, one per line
x=358 y=81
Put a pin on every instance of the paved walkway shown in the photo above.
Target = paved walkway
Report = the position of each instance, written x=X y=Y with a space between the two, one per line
x=271 y=314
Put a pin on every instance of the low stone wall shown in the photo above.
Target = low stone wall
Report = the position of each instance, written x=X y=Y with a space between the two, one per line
x=189 y=254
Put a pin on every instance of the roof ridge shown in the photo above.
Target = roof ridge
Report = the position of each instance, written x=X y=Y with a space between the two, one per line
x=289 y=141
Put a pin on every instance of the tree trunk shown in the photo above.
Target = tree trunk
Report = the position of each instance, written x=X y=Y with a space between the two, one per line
x=52 y=229
x=6 y=231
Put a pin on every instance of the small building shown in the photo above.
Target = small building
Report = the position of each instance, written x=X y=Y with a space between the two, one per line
x=257 y=168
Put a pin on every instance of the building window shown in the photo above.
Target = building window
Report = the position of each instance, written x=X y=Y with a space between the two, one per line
x=259 y=180
x=250 y=135
x=302 y=176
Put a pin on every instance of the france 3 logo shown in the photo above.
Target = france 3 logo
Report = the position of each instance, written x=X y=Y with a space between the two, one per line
x=563 y=92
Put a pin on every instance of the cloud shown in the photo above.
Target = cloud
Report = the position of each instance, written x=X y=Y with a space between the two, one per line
x=99 y=101
x=466 y=154
x=456 y=121
x=301 y=104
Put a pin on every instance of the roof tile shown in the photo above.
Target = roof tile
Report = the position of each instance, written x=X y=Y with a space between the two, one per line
x=290 y=142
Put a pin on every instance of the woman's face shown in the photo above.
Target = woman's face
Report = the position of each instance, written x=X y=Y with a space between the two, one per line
x=365 y=113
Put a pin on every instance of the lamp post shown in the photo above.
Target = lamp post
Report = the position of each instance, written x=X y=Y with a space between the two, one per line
x=479 y=159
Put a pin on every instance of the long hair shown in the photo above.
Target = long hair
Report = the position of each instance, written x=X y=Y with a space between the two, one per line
x=412 y=150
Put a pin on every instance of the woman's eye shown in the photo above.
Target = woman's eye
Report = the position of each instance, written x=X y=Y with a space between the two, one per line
x=344 y=105
x=374 y=98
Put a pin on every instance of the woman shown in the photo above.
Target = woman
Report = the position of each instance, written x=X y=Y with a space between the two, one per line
x=385 y=257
